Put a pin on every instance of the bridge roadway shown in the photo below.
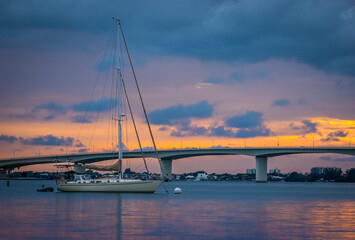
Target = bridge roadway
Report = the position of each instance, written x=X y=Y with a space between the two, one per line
x=261 y=155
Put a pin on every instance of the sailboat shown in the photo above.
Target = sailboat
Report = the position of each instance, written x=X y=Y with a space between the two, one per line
x=82 y=182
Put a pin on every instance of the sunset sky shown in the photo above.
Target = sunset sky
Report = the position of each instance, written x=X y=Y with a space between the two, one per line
x=212 y=74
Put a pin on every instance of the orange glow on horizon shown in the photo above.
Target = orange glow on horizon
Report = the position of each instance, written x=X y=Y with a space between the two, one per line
x=103 y=141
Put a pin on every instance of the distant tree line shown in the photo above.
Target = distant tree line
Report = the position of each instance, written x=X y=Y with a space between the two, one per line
x=330 y=175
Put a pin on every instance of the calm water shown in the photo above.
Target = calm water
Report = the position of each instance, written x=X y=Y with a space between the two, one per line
x=205 y=210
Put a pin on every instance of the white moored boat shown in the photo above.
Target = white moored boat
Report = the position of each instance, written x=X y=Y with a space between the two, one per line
x=117 y=184
x=82 y=183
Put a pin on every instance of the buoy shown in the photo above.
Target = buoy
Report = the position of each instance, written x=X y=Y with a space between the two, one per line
x=177 y=190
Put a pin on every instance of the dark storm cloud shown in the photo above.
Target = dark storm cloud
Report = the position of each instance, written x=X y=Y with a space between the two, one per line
x=281 y=102
x=104 y=105
x=306 y=127
x=319 y=33
x=174 y=114
x=334 y=136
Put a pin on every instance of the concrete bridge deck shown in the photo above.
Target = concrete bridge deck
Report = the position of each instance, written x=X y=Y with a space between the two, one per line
x=261 y=155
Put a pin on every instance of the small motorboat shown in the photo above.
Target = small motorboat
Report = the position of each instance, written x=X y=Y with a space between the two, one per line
x=45 y=189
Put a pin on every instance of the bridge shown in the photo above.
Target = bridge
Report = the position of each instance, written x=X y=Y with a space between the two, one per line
x=167 y=156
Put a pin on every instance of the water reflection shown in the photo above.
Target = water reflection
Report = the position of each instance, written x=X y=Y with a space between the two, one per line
x=139 y=216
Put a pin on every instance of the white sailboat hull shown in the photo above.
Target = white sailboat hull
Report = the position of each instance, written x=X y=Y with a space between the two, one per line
x=149 y=186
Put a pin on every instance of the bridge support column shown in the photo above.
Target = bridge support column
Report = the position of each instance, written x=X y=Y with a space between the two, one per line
x=167 y=168
x=261 y=169
x=8 y=177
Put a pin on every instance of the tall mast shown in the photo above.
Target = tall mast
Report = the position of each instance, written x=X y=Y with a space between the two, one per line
x=119 y=95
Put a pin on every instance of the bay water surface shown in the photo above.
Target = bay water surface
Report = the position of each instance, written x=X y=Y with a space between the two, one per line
x=205 y=210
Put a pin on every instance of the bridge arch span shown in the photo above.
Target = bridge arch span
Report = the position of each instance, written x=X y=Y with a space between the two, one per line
x=261 y=155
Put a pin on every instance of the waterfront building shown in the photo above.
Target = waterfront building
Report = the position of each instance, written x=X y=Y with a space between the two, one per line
x=190 y=177
x=201 y=176
x=251 y=171
x=274 y=171
x=317 y=170
x=323 y=170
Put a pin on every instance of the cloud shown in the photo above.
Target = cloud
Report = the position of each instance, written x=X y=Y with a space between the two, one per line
x=338 y=159
x=248 y=120
x=83 y=150
x=52 y=107
x=246 y=31
x=144 y=149
x=47 y=111
x=302 y=101
x=105 y=64
x=221 y=131
x=309 y=127
x=281 y=102
x=334 y=136
x=306 y=127
x=9 y=139
x=175 y=114
x=79 y=144
x=253 y=132
x=258 y=74
x=81 y=119
x=214 y=80
x=186 y=129
x=238 y=76
x=103 y=105
x=339 y=133
x=22 y=116
x=47 y=140
x=248 y=125
x=49 y=117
